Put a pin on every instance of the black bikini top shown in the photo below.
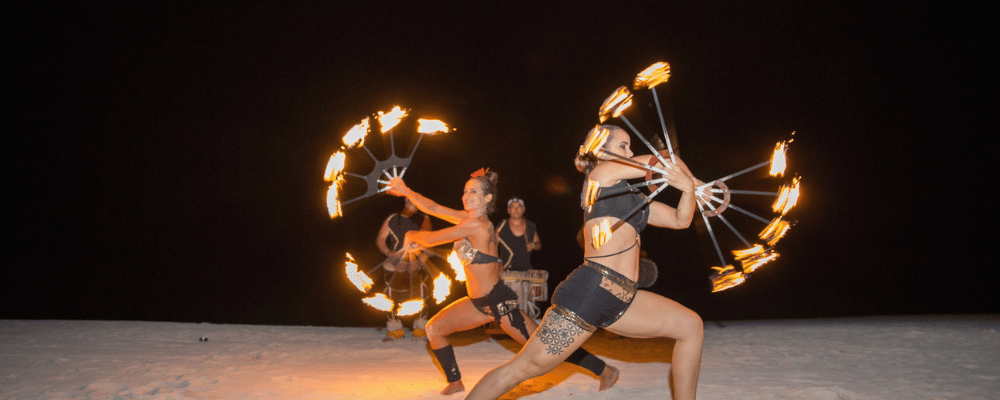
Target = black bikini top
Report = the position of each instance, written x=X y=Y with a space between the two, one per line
x=617 y=205
x=469 y=255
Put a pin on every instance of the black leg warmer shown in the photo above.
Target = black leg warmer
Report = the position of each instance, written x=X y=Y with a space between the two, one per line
x=586 y=360
x=446 y=356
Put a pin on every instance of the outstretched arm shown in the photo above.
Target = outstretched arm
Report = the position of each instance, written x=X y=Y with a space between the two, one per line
x=398 y=188
x=464 y=229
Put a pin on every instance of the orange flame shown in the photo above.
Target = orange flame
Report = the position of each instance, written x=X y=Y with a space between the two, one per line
x=391 y=119
x=591 y=189
x=456 y=265
x=380 y=302
x=616 y=104
x=726 y=277
x=335 y=166
x=358 y=278
x=333 y=200
x=741 y=254
x=774 y=231
x=652 y=76
x=356 y=135
x=410 y=307
x=431 y=126
x=787 y=198
x=778 y=159
x=601 y=234
x=752 y=263
x=595 y=140
x=442 y=288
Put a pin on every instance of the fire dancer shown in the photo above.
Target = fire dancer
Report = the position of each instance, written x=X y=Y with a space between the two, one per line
x=404 y=278
x=602 y=292
x=489 y=300
x=518 y=239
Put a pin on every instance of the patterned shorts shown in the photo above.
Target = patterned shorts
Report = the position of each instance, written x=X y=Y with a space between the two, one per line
x=593 y=296
x=499 y=302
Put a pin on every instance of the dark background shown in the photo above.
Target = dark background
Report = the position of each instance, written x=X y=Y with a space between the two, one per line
x=165 y=160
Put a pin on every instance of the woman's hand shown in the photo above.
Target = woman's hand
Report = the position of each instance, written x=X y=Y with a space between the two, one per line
x=397 y=187
x=678 y=178
x=409 y=245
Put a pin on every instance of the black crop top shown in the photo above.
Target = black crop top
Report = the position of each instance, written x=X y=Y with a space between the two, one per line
x=617 y=205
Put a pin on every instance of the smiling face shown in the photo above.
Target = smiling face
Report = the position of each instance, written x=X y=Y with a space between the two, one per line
x=474 y=198
x=619 y=142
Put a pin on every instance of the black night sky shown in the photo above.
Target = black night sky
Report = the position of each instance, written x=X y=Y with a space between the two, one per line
x=166 y=159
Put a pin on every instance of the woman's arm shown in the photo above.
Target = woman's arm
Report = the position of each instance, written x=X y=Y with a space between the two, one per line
x=665 y=216
x=612 y=170
x=464 y=229
x=398 y=188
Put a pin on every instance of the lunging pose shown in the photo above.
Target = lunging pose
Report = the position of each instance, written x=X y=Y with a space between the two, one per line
x=475 y=241
x=602 y=293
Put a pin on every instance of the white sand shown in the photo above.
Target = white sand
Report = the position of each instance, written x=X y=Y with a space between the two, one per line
x=863 y=358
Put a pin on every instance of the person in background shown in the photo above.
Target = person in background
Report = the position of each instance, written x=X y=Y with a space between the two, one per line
x=518 y=239
x=404 y=279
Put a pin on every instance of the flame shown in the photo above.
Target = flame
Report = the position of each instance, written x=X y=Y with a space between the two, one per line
x=442 y=288
x=380 y=302
x=601 y=234
x=616 y=104
x=652 y=76
x=778 y=159
x=590 y=193
x=774 y=231
x=741 y=254
x=595 y=140
x=726 y=277
x=335 y=166
x=456 y=265
x=356 y=135
x=391 y=119
x=787 y=198
x=333 y=201
x=410 y=307
x=431 y=126
x=358 y=278
x=753 y=262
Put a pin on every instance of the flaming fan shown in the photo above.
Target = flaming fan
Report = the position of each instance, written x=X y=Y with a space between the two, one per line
x=757 y=254
x=749 y=259
x=441 y=285
x=383 y=170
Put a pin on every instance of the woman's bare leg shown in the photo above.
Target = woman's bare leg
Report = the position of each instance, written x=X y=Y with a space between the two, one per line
x=458 y=316
x=548 y=346
x=652 y=315
x=608 y=377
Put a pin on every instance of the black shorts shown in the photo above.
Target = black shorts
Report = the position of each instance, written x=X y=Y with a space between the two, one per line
x=499 y=302
x=593 y=296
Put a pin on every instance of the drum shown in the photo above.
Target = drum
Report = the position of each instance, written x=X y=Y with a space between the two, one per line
x=647 y=273
x=539 y=284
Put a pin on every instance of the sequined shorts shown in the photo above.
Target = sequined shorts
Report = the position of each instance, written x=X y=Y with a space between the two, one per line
x=499 y=302
x=593 y=296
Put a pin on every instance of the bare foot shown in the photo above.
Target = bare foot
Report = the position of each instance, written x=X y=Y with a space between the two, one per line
x=608 y=377
x=453 y=387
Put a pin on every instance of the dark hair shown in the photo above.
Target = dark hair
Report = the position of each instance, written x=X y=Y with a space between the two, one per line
x=587 y=161
x=489 y=183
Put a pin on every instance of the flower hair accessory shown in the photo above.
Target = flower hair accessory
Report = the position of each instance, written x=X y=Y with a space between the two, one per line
x=481 y=172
